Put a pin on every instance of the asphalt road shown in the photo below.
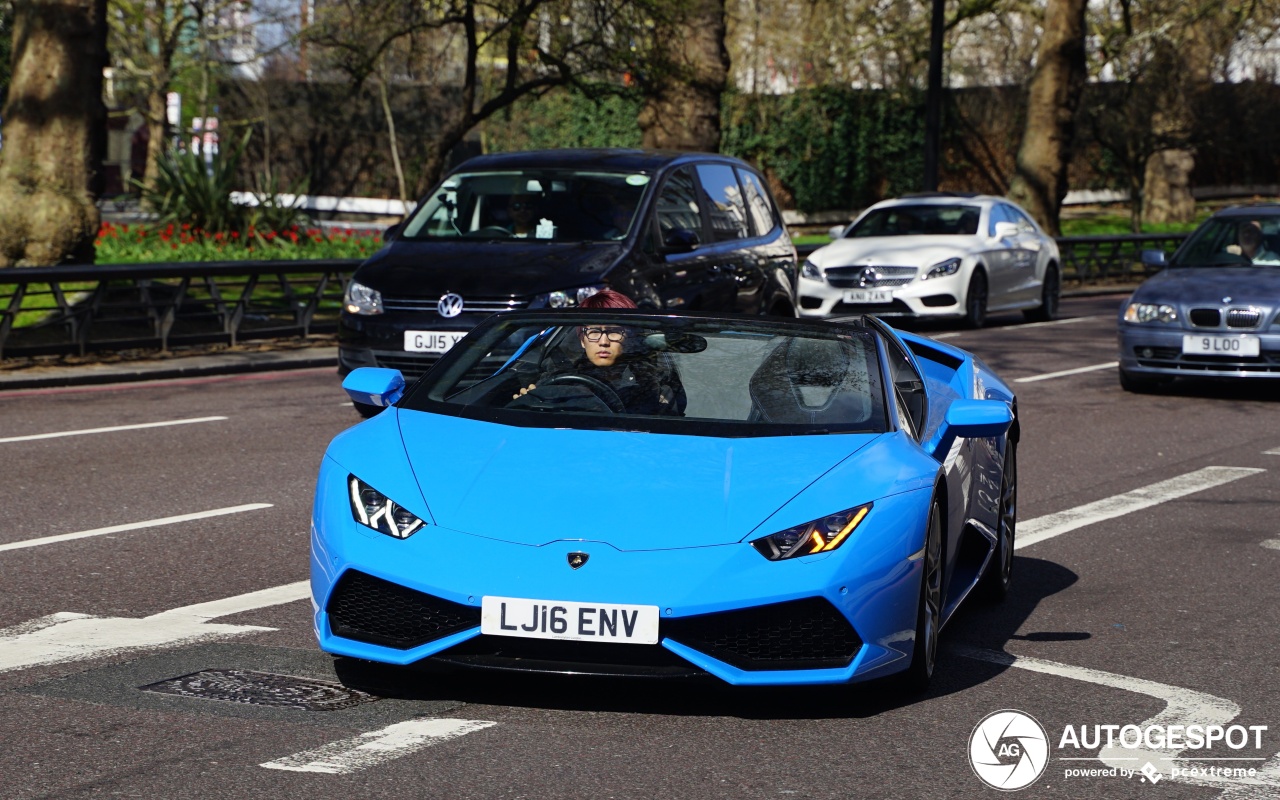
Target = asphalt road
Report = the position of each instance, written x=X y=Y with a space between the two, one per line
x=1151 y=600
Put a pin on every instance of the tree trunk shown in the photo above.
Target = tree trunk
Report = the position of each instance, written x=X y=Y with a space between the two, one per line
x=54 y=133
x=1040 y=180
x=1167 y=187
x=157 y=120
x=682 y=106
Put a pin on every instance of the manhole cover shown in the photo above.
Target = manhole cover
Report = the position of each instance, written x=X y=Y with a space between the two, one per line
x=262 y=689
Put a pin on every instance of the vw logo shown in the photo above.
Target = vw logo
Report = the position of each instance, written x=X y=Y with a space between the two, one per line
x=576 y=560
x=867 y=277
x=450 y=305
x=1008 y=750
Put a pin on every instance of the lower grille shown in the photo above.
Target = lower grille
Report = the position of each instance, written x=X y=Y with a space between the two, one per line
x=369 y=609
x=411 y=365
x=802 y=634
x=591 y=658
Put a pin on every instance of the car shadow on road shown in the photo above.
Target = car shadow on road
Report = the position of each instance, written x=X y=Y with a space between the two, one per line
x=986 y=626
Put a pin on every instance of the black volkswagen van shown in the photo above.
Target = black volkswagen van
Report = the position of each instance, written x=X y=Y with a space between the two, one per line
x=550 y=228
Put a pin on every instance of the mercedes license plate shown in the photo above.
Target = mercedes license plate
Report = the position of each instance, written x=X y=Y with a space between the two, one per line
x=1202 y=345
x=868 y=296
x=562 y=619
x=431 y=341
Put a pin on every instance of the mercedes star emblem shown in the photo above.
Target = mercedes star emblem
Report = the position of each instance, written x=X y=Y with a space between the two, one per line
x=576 y=560
x=450 y=305
x=867 y=276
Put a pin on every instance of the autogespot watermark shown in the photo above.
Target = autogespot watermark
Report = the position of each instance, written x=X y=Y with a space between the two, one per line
x=1010 y=750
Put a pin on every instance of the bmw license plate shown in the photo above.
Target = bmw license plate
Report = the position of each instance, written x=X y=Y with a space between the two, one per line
x=431 y=341
x=1201 y=345
x=868 y=296
x=561 y=619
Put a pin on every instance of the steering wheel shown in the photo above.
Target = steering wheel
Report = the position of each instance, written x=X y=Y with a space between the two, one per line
x=598 y=387
x=488 y=232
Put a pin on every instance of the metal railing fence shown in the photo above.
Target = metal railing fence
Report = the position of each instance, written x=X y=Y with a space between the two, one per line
x=79 y=309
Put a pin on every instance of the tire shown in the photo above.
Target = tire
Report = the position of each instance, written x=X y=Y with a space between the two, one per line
x=1050 y=296
x=998 y=577
x=975 y=300
x=924 y=656
x=365 y=410
x=1142 y=384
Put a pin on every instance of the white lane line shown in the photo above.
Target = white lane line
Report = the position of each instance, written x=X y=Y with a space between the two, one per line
x=1051 y=525
x=1065 y=321
x=112 y=429
x=1271 y=544
x=376 y=747
x=59 y=638
x=1182 y=707
x=1064 y=373
x=1275 y=451
x=946 y=335
x=133 y=526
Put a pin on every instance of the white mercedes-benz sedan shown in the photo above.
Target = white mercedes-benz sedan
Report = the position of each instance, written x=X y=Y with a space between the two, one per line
x=939 y=255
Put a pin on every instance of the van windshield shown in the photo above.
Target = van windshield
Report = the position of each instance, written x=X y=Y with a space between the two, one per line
x=549 y=205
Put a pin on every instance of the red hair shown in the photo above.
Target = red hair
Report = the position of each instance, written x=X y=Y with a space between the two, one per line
x=608 y=298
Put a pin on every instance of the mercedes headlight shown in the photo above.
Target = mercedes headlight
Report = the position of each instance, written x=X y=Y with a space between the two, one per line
x=819 y=536
x=811 y=271
x=374 y=509
x=360 y=299
x=949 y=267
x=1150 y=312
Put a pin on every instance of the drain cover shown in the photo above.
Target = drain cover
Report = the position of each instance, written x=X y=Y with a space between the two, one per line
x=262 y=689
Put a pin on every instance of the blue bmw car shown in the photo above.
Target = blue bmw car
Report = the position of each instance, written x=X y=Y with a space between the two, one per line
x=765 y=501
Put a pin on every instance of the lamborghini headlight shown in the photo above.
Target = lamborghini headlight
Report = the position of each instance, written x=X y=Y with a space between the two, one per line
x=374 y=509
x=819 y=536
x=1150 y=312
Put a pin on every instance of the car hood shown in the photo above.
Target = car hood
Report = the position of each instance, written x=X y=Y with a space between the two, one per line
x=1209 y=285
x=634 y=491
x=908 y=251
x=428 y=269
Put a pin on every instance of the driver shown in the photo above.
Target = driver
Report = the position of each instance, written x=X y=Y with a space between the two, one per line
x=606 y=357
x=1251 y=244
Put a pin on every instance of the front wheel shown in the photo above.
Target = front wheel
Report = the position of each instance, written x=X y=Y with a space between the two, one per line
x=929 y=613
x=975 y=300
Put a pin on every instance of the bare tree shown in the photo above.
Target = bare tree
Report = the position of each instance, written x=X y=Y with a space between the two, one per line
x=1040 y=179
x=54 y=133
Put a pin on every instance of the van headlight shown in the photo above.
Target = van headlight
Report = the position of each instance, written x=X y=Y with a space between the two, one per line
x=360 y=299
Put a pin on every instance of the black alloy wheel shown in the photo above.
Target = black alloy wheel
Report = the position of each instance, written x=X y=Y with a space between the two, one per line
x=1050 y=298
x=975 y=300
x=929 y=614
x=999 y=574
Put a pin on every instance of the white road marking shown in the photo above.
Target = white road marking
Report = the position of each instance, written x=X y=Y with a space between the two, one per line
x=376 y=747
x=133 y=526
x=112 y=429
x=952 y=335
x=63 y=637
x=1182 y=707
x=1275 y=451
x=1064 y=373
x=1271 y=544
x=1064 y=321
x=1051 y=525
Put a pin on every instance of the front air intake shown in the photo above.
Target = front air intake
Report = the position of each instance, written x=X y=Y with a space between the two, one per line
x=802 y=634
x=369 y=609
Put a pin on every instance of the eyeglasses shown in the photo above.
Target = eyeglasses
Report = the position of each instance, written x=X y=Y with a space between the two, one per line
x=594 y=334
x=517 y=206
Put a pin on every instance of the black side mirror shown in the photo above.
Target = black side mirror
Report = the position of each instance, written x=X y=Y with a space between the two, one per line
x=1154 y=258
x=393 y=231
x=680 y=240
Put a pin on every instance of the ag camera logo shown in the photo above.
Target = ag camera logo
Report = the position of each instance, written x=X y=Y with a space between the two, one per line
x=1008 y=750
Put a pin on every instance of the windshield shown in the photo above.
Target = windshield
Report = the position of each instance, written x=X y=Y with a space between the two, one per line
x=550 y=205
x=608 y=369
x=1232 y=241
x=921 y=220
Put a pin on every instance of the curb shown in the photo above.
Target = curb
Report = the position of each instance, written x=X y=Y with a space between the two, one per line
x=167 y=369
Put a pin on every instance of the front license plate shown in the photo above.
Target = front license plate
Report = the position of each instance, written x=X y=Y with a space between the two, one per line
x=1221 y=345
x=431 y=341
x=868 y=296
x=561 y=619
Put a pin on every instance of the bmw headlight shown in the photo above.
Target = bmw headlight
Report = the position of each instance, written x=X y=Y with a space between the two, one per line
x=360 y=299
x=819 y=536
x=374 y=509
x=1150 y=312
x=949 y=267
x=811 y=271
